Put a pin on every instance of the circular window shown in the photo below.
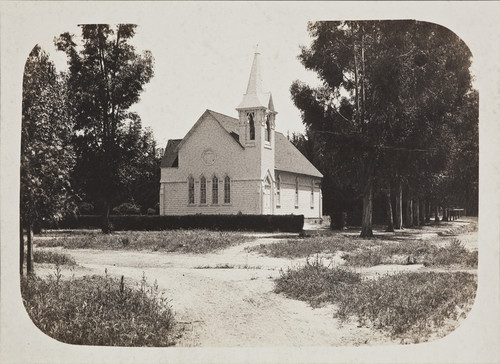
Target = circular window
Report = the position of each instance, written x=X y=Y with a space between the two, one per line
x=209 y=157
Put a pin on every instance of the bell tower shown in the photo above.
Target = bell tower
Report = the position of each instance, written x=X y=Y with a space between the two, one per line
x=257 y=120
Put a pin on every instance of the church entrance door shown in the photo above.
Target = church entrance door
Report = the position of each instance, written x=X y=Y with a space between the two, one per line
x=266 y=197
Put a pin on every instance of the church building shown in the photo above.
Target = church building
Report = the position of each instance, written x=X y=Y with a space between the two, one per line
x=227 y=165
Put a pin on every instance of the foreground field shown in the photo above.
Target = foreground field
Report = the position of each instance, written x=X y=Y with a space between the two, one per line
x=228 y=297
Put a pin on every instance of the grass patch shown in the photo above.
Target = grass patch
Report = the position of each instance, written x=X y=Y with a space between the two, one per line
x=228 y=266
x=413 y=252
x=404 y=305
x=43 y=256
x=454 y=253
x=315 y=282
x=183 y=241
x=301 y=248
x=96 y=310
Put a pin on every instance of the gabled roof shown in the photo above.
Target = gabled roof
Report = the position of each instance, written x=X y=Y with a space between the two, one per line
x=220 y=119
x=170 y=156
x=289 y=159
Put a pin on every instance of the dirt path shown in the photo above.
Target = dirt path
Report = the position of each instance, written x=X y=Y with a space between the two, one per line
x=227 y=307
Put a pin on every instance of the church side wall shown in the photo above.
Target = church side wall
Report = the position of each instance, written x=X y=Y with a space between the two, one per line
x=287 y=196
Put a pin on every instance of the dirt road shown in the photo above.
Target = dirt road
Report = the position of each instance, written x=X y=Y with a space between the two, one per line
x=233 y=306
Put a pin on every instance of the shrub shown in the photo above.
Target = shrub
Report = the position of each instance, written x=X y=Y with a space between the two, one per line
x=127 y=208
x=43 y=256
x=85 y=208
x=288 y=223
x=98 y=311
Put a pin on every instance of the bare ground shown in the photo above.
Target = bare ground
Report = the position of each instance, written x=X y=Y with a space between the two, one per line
x=236 y=305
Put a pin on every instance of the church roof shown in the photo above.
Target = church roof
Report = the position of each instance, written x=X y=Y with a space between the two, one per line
x=287 y=157
x=169 y=158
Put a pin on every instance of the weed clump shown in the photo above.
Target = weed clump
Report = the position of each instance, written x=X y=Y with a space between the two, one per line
x=44 y=256
x=315 y=282
x=404 y=305
x=96 y=310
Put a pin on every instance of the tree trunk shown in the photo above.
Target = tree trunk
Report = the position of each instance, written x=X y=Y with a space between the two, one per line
x=106 y=225
x=421 y=211
x=445 y=214
x=390 y=220
x=366 y=222
x=399 y=207
x=29 y=233
x=409 y=213
x=416 y=212
x=21 y=238
x=436 y=213
x=427 y=211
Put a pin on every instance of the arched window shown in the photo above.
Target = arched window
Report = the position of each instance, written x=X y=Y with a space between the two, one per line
x=203 y=190
x=251 y=124
x=215 y=190
x=312 y=193
x=191 y=190
x=227 y=190
x=278 y=191
x=268 y=129
x=296 y=192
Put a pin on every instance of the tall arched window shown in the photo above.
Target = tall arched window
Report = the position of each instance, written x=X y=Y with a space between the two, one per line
x=278 y=191
x=215 y=190
x=312 y=193
x=251 y=124
x=203 y=190
x=190 y=190
x=227 y=190
x=268 y=129
x=296 y=192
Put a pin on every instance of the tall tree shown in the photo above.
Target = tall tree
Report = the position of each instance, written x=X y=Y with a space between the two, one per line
x=106 y=76
x=47 y=156
x=383 y=108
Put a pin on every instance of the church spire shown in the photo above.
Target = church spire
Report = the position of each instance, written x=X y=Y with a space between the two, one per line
x=255 y=80
x=254 y=96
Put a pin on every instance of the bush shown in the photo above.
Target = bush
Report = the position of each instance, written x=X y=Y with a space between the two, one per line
x=43 y=256
x=127 y=208
x=85 y=208
x=285 y=223
x=98 y=311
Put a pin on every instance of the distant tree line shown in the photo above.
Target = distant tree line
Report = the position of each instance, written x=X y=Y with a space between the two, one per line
x=395 y=120
x=82 y=150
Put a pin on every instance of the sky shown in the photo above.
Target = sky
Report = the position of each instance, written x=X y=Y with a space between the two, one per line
x=203 y=54
x=203 y=61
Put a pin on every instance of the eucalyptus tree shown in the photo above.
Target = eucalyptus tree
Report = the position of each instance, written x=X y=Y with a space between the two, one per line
x=47 y=156
x=390 y=90
x=105 y=78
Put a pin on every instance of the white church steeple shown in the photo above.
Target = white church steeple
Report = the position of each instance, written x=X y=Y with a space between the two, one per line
x=256 y=111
